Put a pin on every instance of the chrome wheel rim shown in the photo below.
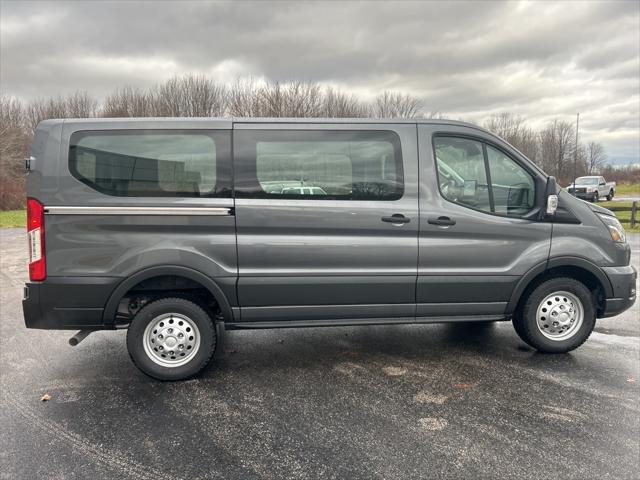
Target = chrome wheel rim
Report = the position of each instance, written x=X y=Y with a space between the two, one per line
x=171 y=339
x=560 y=316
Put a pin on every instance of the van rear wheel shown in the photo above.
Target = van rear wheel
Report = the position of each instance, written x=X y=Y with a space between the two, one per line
x=557 y=317
x=171 y=339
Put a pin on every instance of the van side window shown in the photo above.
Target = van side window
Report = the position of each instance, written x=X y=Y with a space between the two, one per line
x=513 y=187
x=462 y=172
x=479 y=176
x=152 y=163
x=318 y=165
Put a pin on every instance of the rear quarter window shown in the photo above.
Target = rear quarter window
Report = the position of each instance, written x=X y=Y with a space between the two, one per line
x=152 y=163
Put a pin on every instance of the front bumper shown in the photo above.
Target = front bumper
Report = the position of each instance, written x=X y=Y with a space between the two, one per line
x=585 y=196
x=623 y=281
x=67 y=303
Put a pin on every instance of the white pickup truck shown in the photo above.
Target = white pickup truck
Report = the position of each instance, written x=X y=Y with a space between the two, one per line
x=592 y=188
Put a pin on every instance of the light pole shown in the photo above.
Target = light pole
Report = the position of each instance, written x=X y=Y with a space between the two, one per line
x=575 y=155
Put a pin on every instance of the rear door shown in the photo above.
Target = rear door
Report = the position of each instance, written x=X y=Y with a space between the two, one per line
x=327 y=220
x=478 y=214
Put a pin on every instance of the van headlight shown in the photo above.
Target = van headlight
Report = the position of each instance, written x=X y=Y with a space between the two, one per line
x=616 y=230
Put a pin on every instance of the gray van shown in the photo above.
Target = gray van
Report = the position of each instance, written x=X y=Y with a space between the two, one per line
x=177 y=228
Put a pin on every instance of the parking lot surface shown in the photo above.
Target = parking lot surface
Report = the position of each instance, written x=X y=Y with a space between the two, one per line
x=423 y=401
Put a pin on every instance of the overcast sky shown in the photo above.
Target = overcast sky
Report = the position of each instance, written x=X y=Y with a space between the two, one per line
x=467 y=59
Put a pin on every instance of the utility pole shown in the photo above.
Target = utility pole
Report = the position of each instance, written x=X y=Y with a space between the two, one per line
x=575 y=155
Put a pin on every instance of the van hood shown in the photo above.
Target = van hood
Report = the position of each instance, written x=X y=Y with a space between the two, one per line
x=599 y=209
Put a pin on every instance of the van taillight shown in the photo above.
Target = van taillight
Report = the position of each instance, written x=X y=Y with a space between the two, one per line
x=35 y=233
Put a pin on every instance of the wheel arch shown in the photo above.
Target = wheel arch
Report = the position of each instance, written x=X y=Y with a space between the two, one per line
x=575 y=267
x=127 y=284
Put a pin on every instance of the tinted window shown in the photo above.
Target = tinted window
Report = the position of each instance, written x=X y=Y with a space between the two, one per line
x=480 y=176
x=152 y=163
x=342 y=165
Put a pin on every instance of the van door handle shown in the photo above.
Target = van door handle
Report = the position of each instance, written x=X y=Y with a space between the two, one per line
x=396 y=219
x=441 y=221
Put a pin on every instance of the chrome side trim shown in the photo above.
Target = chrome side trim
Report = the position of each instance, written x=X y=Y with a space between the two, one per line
x=211 y=211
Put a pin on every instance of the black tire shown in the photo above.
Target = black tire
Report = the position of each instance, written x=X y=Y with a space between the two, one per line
x=610 y=196
x=525 y=321
x=197 y=361
x=596 y=197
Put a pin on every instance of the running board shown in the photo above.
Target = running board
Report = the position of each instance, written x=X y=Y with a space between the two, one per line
x=350 y=322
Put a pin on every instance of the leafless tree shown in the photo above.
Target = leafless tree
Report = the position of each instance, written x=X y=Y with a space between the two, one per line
x=189 y=96
x=167 y=99
x=128 y=102
x=80 y=105
x=337 y=104
x=11 y=114
x=595 y=157
x=302 y=99
x=270 y=100
x=557 y=144
x=14 y=146
x=396 y=105
x=621 y=173
x=43 y=109
x=295 y=99
x=514 y=129
x=75 y=105
x=242 y=99
x=204 y=97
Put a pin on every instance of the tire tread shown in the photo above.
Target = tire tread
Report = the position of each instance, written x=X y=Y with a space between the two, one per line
x=525 y=323
x=202 y=364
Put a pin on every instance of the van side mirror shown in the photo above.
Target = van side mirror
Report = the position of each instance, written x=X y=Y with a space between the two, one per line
x=552 y=205
x=551 y=196
x=469 y=190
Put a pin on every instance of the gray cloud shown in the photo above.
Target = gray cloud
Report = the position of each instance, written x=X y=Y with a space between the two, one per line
x=468 y=59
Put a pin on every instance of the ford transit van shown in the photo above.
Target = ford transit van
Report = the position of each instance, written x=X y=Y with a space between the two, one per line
x=175 y=229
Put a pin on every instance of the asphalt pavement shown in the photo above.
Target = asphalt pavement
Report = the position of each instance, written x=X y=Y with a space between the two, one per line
x=463 y=401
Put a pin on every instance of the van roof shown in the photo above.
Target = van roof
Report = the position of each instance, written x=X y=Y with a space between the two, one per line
x=261 y=120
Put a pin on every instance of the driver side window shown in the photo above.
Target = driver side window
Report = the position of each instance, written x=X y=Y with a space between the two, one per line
x=479 y=176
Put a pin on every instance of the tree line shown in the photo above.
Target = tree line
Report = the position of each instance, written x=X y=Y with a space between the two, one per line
x=553 y=147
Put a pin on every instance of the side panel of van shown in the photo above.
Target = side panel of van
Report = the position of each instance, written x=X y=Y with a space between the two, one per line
x=131 y=197
x=317 y=239
x=471 y=267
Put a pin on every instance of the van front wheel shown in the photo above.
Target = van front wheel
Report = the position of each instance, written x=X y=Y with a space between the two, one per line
x=557 y=317
x=171 y=339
